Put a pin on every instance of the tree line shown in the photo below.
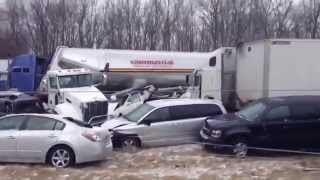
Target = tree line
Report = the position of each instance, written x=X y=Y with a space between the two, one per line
x=169 y=25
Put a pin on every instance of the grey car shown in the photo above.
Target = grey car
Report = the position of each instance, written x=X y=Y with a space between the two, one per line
x=52 y=139
x=163 y=122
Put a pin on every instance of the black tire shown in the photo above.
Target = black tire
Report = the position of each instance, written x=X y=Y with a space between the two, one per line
x=240 y=147
x=61 y=157
x=130 y=144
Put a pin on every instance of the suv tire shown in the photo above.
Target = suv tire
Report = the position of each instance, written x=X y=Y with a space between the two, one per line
x=240 y=147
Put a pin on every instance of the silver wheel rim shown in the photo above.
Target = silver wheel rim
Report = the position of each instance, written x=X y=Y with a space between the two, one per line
x=240 y=150
x=60 y=158
x=129 y=145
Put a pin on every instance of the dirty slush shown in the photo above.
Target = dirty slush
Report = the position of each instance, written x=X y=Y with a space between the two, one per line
x=174 y=163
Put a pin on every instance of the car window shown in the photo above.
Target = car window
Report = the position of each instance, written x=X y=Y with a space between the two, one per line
x=205 y=110
x=183 y=112
x=278 y=113
x=39 y=123
x=11 y=123
x=139 y=112
x=26 y=70
x=159 y=115
x=252 y=111
x=53 y=82
x=59 y=126
x=302 y=112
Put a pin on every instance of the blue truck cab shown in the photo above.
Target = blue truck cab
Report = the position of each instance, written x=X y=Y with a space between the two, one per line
x=26 y=72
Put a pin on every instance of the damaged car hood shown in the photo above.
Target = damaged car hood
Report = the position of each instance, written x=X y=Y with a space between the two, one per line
x=115 y=123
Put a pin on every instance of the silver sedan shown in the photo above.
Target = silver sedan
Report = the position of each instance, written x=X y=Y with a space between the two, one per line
x=52 y=139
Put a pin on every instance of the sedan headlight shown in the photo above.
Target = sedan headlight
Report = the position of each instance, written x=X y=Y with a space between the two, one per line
x=216 y=133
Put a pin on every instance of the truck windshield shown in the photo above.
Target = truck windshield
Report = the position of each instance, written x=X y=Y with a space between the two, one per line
x=138 y=113
x=252 y=111
x=73 y=81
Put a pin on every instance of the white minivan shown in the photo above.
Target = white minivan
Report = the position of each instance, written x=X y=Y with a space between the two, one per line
x=163 y=122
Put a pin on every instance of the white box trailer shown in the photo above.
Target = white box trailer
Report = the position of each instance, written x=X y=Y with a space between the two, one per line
x=266 y=68
x=278 y=67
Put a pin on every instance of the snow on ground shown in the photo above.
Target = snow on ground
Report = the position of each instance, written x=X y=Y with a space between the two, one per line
x=174 y=163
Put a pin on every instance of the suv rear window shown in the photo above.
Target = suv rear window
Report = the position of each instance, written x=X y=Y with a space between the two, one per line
x=182 y=112
x=204 y=110
x=194 y=111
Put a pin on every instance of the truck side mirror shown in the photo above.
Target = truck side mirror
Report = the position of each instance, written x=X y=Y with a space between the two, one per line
x=187 y=79
x=99 y=78
x=106 y=67
x=104 y=79
x=213 y=61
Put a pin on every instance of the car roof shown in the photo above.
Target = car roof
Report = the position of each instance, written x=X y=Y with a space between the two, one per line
x=291 y=100
x=53 y=116
x=177 y=102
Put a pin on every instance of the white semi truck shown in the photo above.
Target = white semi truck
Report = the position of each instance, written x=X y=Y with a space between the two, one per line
x=131 y=68
x=266 y=68
x=72 y=92
x=79 y=99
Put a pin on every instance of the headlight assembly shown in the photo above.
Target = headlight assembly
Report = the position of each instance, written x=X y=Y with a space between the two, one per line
x=216 y=133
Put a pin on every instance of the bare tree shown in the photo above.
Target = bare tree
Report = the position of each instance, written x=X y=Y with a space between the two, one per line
x=171 y=25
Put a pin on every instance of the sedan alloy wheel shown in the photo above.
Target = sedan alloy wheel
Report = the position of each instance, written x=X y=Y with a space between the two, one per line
x=61 y=158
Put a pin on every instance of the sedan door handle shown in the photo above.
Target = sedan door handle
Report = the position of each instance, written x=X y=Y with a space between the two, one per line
x=11 y=137
x=52 y=136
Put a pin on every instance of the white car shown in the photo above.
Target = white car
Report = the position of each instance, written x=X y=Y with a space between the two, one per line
x=163 y=122
x=51 y=139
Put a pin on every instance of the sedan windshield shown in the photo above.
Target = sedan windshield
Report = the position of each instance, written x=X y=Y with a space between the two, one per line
x=252 y=111
x=73 y=81
x=138 y=113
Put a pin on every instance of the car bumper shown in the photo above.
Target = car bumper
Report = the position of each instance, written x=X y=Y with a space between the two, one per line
x=95 y=152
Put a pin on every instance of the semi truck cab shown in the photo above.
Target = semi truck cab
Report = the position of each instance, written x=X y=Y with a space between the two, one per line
x=72 y=93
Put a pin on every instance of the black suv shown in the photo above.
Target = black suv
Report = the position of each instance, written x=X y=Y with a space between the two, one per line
x=282 y=122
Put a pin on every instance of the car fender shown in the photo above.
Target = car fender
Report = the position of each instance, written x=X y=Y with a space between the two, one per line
x=240 y=131
x=68 y=110
x=61 y=142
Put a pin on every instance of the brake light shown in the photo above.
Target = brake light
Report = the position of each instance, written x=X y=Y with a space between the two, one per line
x=92 y=136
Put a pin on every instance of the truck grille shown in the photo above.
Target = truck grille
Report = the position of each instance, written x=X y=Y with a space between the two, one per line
x=96 y=108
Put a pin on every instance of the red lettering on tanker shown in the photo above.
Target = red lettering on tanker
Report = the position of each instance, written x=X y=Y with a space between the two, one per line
x=152 y=63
